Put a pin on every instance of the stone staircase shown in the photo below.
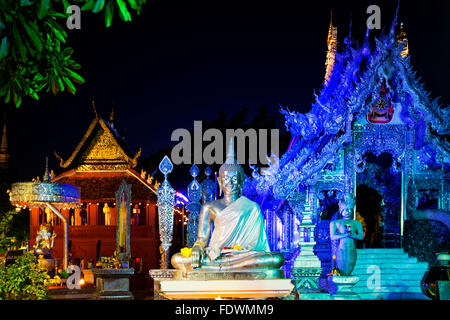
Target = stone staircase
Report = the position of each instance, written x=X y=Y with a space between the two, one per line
x=400 y=275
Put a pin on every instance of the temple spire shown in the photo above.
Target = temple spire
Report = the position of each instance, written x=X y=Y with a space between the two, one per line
x=332 y=46
x=4 y=155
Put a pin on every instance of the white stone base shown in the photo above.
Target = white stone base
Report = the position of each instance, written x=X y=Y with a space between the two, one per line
x=225 y=289
x=345 y=286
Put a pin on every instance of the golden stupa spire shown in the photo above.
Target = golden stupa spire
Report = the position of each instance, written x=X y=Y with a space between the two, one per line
x=332 y=46
x=46 y=177
x=401 y=38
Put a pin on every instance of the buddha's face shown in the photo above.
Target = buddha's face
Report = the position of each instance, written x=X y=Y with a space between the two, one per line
x=230 y=182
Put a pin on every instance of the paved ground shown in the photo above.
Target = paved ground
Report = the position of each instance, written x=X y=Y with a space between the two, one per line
x=86 y=293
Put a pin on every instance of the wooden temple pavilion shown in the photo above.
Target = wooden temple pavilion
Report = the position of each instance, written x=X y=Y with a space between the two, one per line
x=97 y=166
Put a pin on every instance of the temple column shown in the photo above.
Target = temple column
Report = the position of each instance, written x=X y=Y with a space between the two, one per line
x=93 y=213
x=114 y=216
x=34 y=217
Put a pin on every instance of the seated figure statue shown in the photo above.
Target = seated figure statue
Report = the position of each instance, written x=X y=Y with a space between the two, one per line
x=346 y=231
x=237 y=221
x=45 y=240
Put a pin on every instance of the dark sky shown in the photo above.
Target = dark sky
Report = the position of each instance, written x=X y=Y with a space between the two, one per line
x=181 y=61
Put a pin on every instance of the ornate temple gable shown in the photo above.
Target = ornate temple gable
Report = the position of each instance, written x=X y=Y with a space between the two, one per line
x=100 y=149
x=375 y=90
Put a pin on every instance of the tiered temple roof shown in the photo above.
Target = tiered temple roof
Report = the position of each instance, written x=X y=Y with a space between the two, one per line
x=100 y=162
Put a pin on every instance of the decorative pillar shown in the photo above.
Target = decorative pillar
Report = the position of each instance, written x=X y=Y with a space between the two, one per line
x=166 y=206
x=208 y=187
x=307 y=267
x=270 y=221
x=402 y=204
x=194 y=206
x=66 y=234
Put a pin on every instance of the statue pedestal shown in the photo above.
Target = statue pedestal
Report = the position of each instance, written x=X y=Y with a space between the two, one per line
x=113 y=284
x=307 y=270
x=48 y=264
x=210 y=285
x=344 y=285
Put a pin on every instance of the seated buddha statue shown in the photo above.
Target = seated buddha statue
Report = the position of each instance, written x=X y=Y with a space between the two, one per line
x=237 y=222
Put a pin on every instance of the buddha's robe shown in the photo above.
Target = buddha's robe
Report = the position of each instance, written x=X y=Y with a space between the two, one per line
x=241 y=223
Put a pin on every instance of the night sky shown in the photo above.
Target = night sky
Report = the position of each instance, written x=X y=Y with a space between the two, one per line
x=181 y=61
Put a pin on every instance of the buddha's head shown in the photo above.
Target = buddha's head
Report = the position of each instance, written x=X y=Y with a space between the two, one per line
x=346 y=206
x=231 y=173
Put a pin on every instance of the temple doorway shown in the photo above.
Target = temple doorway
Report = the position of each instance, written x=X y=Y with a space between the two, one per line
x=378 y=200
x=368 y=212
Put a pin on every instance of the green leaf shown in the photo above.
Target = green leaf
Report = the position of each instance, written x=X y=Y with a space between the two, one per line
x=8 y=17
x=26 y=3
x=109 y=13
x=43 y=8
x=4 y=48
x=123 y=11
x=60 y=84
x=88 y=5
x=8 y=95
x=69 y=84
x=61 y=36
x=98 y=6
x=33 y=36
x=75 y=76
x=21 y=47
x=65 y=4
x=17 y=99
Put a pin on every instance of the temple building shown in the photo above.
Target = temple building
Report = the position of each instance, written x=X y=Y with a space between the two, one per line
x=97 y=166
x=375 y=132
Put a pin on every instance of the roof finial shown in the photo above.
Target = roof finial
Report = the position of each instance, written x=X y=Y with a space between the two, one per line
x=350 y=27
x=111 y=117
x=46 y=174
x=95 y=110
x=394 y=22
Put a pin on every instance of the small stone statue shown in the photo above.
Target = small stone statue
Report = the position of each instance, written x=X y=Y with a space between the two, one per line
x=346 y=231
